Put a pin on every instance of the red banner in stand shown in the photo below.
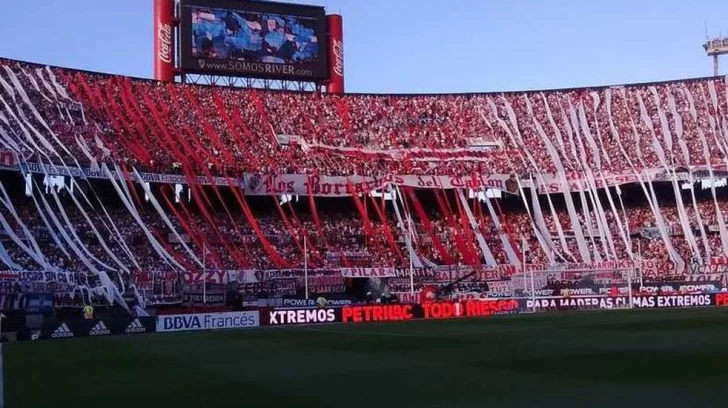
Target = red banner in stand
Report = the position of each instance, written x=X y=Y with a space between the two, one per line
x=164 y=40
x=336 y=54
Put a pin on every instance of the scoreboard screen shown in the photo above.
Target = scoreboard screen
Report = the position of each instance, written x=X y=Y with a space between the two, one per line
x=255 y=39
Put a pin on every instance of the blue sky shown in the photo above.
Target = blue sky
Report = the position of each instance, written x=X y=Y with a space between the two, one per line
x=417 y=46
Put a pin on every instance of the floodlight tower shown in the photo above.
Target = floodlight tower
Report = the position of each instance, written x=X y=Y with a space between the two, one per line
x=716 y=47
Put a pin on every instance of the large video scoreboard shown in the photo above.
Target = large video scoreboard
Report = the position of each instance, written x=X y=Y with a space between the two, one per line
x=253 y=39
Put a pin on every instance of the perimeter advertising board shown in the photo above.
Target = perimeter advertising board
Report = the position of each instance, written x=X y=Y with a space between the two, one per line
x=208 y=321
x=435 y=310
x=313 y=303
x=390 y=313
x=254 y=39
x=292 y=317
x=63 y=329
x=622 y=302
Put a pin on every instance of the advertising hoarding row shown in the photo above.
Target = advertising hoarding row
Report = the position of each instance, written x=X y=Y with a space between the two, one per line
x=362 y=314
x=481 y=308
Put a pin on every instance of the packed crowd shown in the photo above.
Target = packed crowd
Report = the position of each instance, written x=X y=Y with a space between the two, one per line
x=110 y=236
x=70 y=118
x=175 y=127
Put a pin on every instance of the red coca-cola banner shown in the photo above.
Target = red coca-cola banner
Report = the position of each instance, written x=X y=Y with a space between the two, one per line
x=336 y=54
x=164 y=40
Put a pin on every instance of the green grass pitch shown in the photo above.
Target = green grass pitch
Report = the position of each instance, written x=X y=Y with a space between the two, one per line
x=666 y=358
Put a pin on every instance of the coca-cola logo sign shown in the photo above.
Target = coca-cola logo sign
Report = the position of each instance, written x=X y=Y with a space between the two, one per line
x=337 y=49
x=164 y=33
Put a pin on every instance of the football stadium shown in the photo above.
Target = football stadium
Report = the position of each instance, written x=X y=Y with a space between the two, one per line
x=242 y=231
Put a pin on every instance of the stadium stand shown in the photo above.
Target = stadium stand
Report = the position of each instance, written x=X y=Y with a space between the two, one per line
x=147 y=147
